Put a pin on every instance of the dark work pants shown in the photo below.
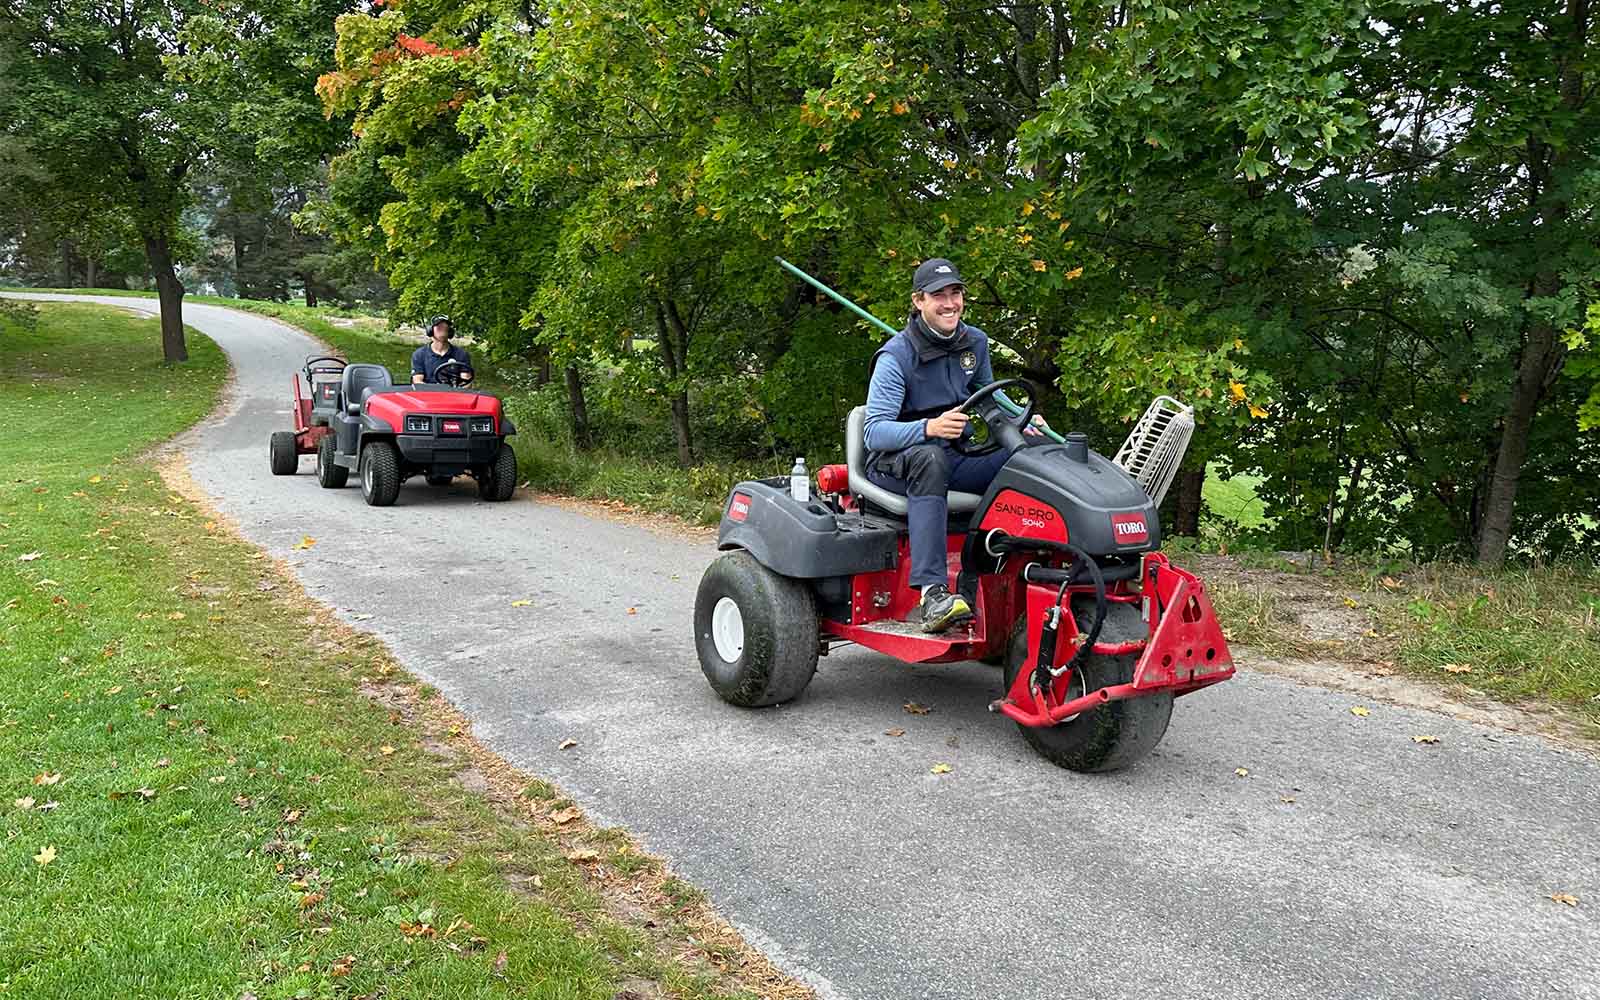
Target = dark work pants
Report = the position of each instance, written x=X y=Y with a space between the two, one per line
x=923 y=474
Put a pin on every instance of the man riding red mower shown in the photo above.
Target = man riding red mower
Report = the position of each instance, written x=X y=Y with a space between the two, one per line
x=1097 y=630
x=355 y=418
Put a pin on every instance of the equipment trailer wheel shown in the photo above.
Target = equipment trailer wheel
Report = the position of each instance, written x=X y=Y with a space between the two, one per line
x=280 y=451
x=380 y=473
x=755 y=632
x=329 y=475
x=499 y=480
x=1117 y=733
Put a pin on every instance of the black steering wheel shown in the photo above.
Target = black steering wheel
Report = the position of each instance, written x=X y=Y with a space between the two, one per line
x=453 y=373
x=1005 y=430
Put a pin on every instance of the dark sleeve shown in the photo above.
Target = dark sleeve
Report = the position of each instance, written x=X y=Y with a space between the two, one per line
x=463 y=357
x=417 y=365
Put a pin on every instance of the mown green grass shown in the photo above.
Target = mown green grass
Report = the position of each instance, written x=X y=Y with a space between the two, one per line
x=199 y=800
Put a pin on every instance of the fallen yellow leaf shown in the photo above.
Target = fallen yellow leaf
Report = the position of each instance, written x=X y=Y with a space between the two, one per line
x=916 y=709
x=386 y=750
x=940 y=769
x=1361 y=710
x=24 y=803
x=567 y=744
x=1456 y=668
x=1565 y=898
x=1287 y=800
x=48 y=854
x=897 y=731
x=1243 y=772
x=633 y=611
x=583 y=854
x=520 y=604
x=1424 y=739
x=114 y=690
x=1391 y=583
x=47 y=778
x=305 y=543
x=176 y=616
x=94 y=479
x=564 y=816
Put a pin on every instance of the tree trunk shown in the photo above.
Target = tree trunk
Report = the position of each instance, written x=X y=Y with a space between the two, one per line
x=170 y=292
x=1187 y=501
x=1542 y=355
x=578 y=408
x=311 y=294
x=1352 y=500
x=673 y=339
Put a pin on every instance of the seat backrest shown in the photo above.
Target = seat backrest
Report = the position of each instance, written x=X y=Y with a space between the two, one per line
x=855 y=452
x=358 y=378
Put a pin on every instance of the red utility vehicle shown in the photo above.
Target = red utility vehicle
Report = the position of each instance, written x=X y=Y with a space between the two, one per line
x=354 y=418
x=1097 y=630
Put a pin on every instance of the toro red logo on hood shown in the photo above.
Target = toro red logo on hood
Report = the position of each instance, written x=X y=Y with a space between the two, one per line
x=452 y=426
x=1129 y=529
x=739 y=507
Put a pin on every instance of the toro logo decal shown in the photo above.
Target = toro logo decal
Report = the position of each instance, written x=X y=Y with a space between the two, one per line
x=739 y=507
x=1129 y=529
x=451 y=426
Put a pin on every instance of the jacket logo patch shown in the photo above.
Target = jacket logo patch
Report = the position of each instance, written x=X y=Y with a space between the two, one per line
x=969 y=361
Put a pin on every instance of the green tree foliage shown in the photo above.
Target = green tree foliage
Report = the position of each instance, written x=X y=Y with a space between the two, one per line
x=116 y=109
x=1357 y=236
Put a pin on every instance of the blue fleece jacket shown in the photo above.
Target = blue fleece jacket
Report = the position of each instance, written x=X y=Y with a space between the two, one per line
x=886 y=394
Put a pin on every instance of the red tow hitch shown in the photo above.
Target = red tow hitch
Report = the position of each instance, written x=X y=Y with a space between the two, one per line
x=1185 y=650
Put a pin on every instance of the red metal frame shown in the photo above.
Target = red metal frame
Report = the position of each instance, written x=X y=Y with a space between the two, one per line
x=305 y=435
x=1185 y=650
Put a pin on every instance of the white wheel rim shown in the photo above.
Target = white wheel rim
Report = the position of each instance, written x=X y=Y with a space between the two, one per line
x=727 y=630
x=366 y=475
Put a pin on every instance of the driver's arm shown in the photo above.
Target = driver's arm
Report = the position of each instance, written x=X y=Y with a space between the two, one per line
x=462 y=356
x=418 y=367
x=886 y=392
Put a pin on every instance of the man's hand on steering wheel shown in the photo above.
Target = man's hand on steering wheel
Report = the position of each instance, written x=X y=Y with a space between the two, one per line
x=1005 y=429
x=950 y=425
x=453 y=373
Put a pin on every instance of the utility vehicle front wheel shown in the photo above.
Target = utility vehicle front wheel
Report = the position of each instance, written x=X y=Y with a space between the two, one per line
x=1116 y=734
x=280 y=452
x=380 y=473
x=329 y=475
x=499 y=480
x=755 y=632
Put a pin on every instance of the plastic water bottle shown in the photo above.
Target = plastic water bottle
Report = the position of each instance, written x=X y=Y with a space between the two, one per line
x=800 y=481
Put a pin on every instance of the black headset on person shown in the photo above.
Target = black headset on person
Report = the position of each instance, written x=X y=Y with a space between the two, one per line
x=435 y=321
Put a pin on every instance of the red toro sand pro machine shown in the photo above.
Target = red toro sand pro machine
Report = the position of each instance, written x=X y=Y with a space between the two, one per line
x=354 y=418
x=1097 y=630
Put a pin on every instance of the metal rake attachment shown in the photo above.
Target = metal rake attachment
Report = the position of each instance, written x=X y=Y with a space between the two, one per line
x=1156 y=445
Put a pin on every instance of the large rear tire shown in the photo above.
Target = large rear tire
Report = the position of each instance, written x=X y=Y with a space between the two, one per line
x=329 y=475
x=281 y=453
x=380 y=473
x=499 y=480
x=755 y=632
x=1117 y=733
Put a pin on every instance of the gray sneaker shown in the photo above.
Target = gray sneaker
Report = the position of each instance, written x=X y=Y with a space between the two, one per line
x=942 y=609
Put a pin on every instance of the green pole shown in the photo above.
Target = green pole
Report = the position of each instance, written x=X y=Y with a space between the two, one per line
x=835 y=296
x=880 y=324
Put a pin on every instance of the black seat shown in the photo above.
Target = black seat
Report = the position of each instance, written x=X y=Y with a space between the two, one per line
x=357 y=379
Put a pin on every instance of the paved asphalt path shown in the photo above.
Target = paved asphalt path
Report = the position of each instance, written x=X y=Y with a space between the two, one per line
x=1350 y=862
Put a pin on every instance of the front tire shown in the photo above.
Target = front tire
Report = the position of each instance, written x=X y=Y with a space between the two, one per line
x=499 y=479
x=380 y=473
x=281 y=453
x=1116 y=734
x=329 y=475
x=755 y=632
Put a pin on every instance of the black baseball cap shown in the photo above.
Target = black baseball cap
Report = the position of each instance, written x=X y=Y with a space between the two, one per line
x=935 y=274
